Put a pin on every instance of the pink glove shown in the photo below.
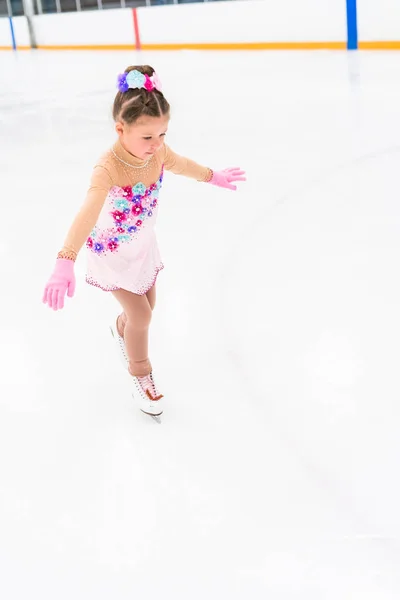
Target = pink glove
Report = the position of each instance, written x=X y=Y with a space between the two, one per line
x=225 y=177
x=61 y=281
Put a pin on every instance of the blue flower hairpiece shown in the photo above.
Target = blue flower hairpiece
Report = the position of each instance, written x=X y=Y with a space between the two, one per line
x=136 y=80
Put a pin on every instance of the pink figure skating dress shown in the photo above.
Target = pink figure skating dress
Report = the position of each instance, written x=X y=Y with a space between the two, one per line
x=117 y=220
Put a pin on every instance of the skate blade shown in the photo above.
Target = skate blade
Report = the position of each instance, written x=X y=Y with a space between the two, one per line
x=156 y=418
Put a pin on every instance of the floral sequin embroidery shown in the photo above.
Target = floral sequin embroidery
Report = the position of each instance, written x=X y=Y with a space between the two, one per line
x=131 y=207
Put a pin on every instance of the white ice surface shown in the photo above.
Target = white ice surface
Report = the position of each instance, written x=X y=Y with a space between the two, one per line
x=275 y=472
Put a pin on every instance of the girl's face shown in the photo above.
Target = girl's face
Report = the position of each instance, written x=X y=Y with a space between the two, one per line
x=144 y=137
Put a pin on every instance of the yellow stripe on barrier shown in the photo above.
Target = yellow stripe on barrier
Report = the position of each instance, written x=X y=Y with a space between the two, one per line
x=379 y=45
x=387 y=45
x=18 y=48
x=94 y=47
x=251 y=46
x=216 y=46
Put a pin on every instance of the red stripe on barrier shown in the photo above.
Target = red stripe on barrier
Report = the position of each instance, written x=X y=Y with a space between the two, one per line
x=136 y=29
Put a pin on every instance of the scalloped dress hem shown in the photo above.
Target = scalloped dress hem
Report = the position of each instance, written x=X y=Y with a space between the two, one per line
x=139 y=290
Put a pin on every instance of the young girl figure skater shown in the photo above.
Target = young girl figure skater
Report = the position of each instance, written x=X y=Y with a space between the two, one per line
x=117 y=222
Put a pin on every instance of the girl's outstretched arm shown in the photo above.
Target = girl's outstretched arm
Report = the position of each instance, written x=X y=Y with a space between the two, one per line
x=184 y=166
x=180 y=165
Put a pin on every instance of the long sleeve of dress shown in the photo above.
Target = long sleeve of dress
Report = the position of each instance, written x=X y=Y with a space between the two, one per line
x=85 y=220
x=184 y=166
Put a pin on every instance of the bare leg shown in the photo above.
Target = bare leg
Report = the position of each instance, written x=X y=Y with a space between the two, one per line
x=133 y=325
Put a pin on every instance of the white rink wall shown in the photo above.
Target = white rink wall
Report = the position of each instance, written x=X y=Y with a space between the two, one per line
x=378 y=20
x=5 y=37
x=274 y=24
x=244 y=21
x=87 y=28
x=21 y=32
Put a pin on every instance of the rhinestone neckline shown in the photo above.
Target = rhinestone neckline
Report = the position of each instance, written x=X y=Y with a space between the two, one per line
x=129 y=165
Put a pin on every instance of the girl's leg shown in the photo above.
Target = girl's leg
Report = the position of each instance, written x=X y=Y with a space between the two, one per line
x=151 y=297
x=133 y=325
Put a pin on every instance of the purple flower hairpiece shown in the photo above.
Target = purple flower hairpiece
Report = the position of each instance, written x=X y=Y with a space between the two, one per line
x=122 y=83
x=137 y=80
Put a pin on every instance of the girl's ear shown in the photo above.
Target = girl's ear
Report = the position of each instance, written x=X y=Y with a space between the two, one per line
x=119 y=128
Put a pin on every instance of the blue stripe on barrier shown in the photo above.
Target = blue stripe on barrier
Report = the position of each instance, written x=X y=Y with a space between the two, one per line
x=352 y=29
x=14 y=45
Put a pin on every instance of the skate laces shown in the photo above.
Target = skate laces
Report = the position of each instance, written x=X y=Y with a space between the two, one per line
x=148 y=386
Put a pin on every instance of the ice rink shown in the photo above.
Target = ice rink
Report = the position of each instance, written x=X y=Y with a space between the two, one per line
x=275 y=472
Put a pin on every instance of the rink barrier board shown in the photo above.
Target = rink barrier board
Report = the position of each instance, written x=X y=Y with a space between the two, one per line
x=14 y=33
x=352 y=43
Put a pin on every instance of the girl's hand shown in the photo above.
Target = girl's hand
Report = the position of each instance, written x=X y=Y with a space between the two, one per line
x=62 y=281
x=224 y=178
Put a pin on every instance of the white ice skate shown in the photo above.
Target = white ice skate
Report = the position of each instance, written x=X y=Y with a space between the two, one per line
x=144 y=390
x=147 y=396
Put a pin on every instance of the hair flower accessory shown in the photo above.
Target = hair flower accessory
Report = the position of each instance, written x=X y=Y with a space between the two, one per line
x=157 y=82
x=148 y=84
x=121 y=83
x=135 y=80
